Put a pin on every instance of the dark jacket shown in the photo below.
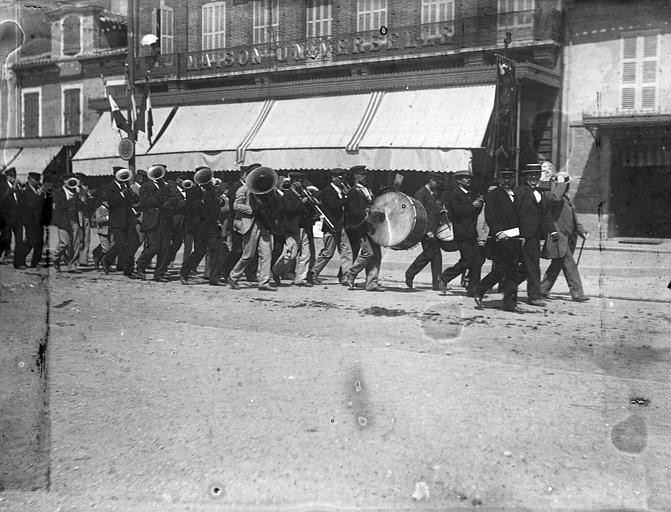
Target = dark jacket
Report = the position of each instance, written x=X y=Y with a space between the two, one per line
x=500 y=212
x=193 y=209
x=431 y=205
x=533 y=218
x=463 y=214
x=31 y=205
x=292 y=212
x=174 y=203
x=9 y=203
x=333 y=206
x=120 y=201
x=65 y=211
x=266 y=212
x=355 y=208
x=150 y=204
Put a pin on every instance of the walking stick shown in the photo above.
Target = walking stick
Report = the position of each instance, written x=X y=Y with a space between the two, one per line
x=580 y=253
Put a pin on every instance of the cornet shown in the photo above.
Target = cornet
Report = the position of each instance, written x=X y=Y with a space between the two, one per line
x=187 y=184
x=72 y=183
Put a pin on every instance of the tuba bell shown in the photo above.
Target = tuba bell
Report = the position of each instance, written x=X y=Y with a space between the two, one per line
x=187 y=184
x=123 y=175
x=203 y=176
x=261 y=180
x=72 y=183
x=216 y=182
x=156 y=172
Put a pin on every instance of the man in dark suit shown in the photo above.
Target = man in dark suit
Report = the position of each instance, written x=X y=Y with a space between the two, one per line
x=333 y=200
x=31 y=203
x=534 y=223
x=431 y=253
x=503 y=242
x=155 y=224
x=464 y=211
x=10 y=218
x=359 y=201
x=66 y=217
x=202 y=211
x=122 y=223
x=176 y=224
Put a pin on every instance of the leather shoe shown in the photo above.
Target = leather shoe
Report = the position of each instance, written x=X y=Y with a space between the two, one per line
x=537 y=302
x=267 y=288
x=375 y=289
x=443 y=286
x=478 y=295
x=233 y=284
x=545 y=295
x=581 y=298
x=315 y=279
x=408 y=281
x=161 y=279
x=216 y=283
x=183 y=280
x=277 y=279
x=304 y=283
x=20 y=267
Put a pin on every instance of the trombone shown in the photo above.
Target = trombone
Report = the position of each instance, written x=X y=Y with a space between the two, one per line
x=315 y=202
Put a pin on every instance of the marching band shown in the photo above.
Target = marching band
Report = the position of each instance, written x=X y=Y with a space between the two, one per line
x=262 y=227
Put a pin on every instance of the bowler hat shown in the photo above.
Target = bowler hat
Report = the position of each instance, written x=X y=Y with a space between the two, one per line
x=435 y=176
x=10 y=171
x=247 y=168
x=358 y=169
x=141 y=172
x=297 y=175
x=35 y=175
x=338 y=172
x=463 y=172
x=117 y=168
x=506 y=171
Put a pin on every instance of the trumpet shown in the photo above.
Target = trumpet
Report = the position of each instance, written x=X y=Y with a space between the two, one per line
x=72 y=183
x=187 y=184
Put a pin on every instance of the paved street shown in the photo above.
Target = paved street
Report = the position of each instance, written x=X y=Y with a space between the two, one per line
x=165 y=397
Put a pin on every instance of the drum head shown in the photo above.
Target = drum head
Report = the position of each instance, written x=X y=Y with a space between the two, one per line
x=403 y=221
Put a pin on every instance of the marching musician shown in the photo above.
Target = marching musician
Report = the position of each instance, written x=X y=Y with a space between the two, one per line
x=534 y=223
x=295 y=219
x=176 y=203
x=464 y=211
x=87 y=202
x=31 y=204
x=236 y=238
x=155 y=223
x=10 y=221
x=257 y=220
x=428 y=196
x=359 y=201
x=334 y=198
x=66 y=209
x=503 y=242
x=122 y=222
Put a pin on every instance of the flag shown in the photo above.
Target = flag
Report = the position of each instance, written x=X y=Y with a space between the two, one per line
x=118 y=120
x=145 y=119
x=503 y=133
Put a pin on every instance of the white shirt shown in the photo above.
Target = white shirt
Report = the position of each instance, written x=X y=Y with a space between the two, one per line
x=182 y=191
x=462 y=188
x=511 y=194
x=68 y=193
x=537 y=195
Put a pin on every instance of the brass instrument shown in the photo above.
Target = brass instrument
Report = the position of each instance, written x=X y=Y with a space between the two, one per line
x=216 y=182
x=72 y=183
x=156 y=172
x=203 y=176
x=261 y=180
x=315 y=202
x=124 y=175
x=187 y=184
x=345 y=187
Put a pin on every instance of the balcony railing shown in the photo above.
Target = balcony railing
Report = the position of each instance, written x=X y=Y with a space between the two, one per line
x=526 y=28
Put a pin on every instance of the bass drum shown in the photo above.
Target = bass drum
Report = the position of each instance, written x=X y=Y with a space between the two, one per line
x=396 y=220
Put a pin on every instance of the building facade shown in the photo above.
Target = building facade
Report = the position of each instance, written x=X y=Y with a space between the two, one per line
x=274 y=65
x=616 y=136
x=57 y=68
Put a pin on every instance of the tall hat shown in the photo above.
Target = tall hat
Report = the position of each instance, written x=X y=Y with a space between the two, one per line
x=10 y=171
x=35 y=175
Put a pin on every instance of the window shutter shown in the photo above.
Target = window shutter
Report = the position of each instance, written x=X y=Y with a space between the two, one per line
x=31 y=114
x=628 y=97
x=629 y=50
x=629 y=72
x=71 y=35
x=650 y=46
x=648 y=97
x=649 y=71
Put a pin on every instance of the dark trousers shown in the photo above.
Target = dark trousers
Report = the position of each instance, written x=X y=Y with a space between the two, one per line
x=125 y=243
x=206 y=242
x=176 y=233
x=6 y=239
x=430 y=254
x=157 y=243
x=505 y=269
x=531 y=270
x=34 y=241
x=470 y=261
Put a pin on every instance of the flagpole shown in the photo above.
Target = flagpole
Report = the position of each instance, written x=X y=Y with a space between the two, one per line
x=130 y=75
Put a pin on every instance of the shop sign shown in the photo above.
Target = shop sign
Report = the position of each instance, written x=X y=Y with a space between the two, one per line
x=321 y=49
